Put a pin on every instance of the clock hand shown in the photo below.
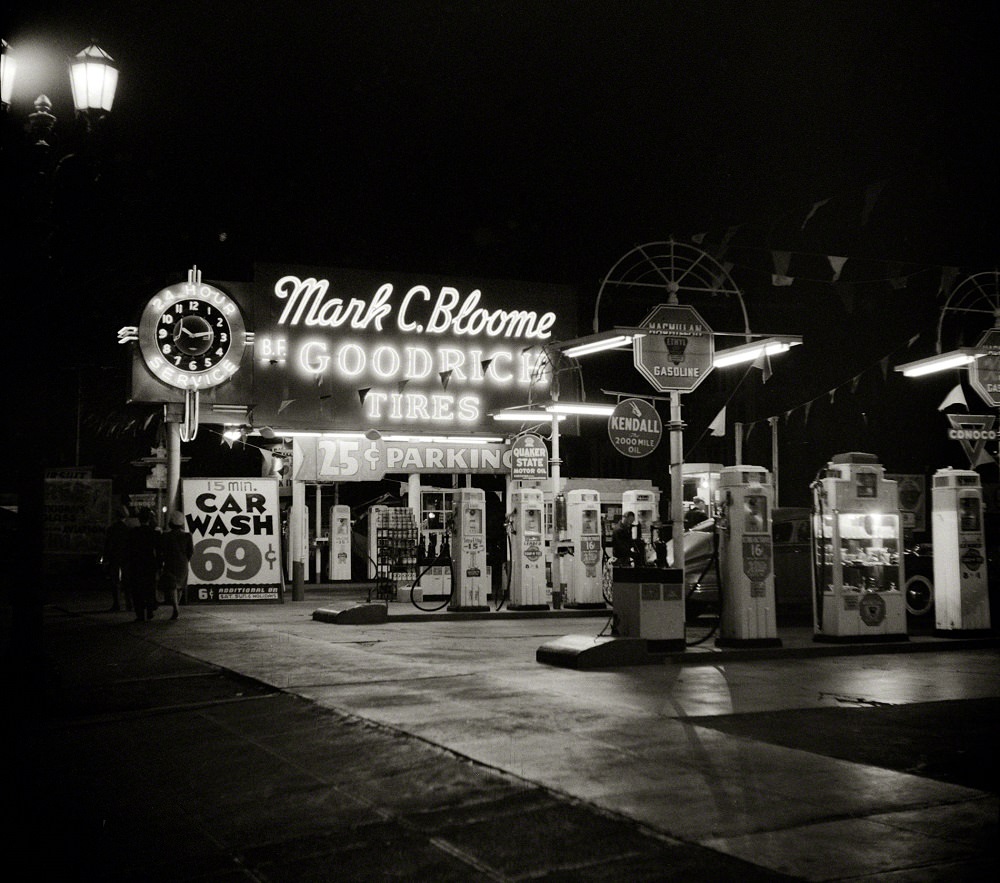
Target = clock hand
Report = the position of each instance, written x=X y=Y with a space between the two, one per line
x=208 y=333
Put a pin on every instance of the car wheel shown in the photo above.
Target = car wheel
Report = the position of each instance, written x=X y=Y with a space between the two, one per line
x=918 y=595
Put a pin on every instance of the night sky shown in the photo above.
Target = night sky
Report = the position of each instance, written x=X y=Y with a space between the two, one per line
x=545 y=140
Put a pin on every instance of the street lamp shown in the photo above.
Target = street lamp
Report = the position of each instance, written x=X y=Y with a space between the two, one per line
x=94 y=81
x=8 y=70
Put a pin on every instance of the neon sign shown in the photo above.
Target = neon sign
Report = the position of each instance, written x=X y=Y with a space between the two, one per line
x=359 y=350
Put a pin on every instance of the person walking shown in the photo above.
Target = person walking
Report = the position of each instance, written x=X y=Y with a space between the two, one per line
x=141 y=565
x=113 y=558
x=176 y=549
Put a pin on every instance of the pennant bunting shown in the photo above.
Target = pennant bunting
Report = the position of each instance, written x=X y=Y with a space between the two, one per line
x=854 y=384
x=780 y=275
x=363 y=393
x=779 y=281
x=698 y=238
x=445 y=378
x=401 y=386
x=812 y=211
x=284 y=404
x=724 y=245
x=718 y=426
x=955 y=397
x=763 y=363
x=485 y=364
x=833 y=394
x=805 y=413
x=837 y=264
x=948 y=275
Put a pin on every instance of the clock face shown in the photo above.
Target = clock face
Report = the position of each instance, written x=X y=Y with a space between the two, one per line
x=192 y=336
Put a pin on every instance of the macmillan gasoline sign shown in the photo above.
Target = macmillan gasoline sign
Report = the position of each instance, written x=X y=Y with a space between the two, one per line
x=635 y=428
x=236 y=528
x=677 y=353
x=529 y=458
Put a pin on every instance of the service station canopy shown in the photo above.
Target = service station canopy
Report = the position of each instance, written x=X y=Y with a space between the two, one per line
x=677 y=355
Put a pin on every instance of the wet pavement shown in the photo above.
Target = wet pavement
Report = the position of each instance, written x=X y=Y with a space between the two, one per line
x=263 y=743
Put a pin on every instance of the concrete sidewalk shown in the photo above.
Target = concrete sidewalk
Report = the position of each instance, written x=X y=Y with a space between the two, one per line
x=255 y=742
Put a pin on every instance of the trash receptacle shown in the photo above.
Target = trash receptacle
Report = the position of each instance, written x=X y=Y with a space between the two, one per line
x=648 y=603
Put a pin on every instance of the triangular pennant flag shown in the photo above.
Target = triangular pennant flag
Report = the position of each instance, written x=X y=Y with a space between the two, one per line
x=955 y=397
x=749 y=431
x=854 y=384
x=805 y=413
x=780 y=275
x=149 y=420
x=319 y=380
x=948 y=275
x=721 y=276
x=362 y=393
x=837 y=264
x=718 y=426
x=833 y=393
x=284 y=404
x=485 y=365
x=401 y=386
x=763 y=362
x=983 y=458
x=445 y=378
x=871 y=197
x=227 y=441
x=812 y=211
x=698 y=238
x=724 y=245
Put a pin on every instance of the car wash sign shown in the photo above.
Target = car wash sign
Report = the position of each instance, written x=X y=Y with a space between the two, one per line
x=349 y=350
x=236 y=528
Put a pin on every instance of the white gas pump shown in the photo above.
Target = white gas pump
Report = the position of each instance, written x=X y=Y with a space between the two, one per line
x=857 y=565
x=643 y=504
x=581 y=570
x=961 y=594
x=527 y=550
x=745 y=559
x=468 y=551
x=340 y=542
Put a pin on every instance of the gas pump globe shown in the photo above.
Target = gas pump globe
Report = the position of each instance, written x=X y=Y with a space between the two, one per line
x=746 y=560
x=468 y=551
x=961 y=595
x=857 y=566
x=581 y=570
x=527 y=550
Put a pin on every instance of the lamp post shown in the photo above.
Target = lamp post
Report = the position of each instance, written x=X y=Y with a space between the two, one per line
x=30 y=168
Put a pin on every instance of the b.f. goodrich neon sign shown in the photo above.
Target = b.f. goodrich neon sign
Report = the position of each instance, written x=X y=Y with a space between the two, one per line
x=356 y=353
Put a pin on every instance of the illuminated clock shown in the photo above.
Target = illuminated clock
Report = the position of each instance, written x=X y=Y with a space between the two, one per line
x=192 y=336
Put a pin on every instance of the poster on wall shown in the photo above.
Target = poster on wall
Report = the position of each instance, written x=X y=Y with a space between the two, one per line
x=235 y=524
x=77 y=513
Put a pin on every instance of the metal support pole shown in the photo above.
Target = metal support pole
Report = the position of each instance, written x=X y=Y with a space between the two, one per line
x=173 y=468
x=738 y=435
x=554 y=472
x=774 y=456
x=676 y=429
x=296 y=542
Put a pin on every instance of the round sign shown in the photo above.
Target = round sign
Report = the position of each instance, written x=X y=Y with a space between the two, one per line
x=634 y=427
x=677 y=352
x=871 y=606
x=192 y=336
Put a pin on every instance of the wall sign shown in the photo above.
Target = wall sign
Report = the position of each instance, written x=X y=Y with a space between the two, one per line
x=347 y=458
x=236 y=528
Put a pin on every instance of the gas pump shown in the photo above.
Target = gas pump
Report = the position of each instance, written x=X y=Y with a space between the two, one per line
x=745 y=559
x=468 y=551
x=340 y=542
x=961 y=595
x=643 y=504
x=527 y=558
x=581 y=569
x=857 y=565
